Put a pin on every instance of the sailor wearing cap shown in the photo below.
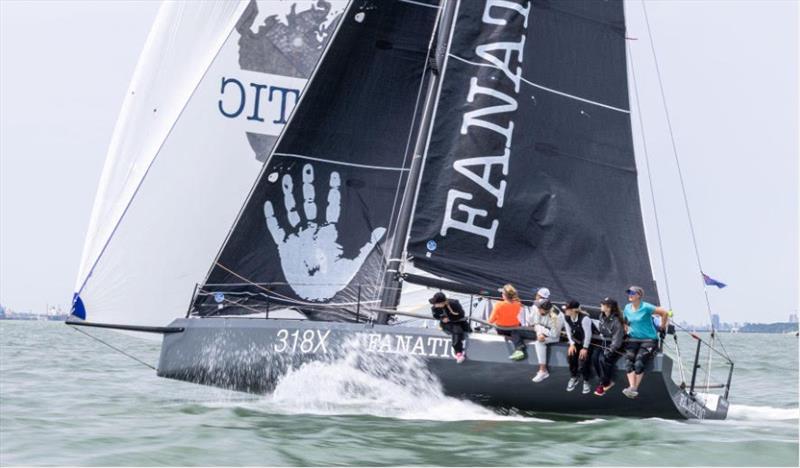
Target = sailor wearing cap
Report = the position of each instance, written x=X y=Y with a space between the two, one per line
x=548 y=322
x=579 y=334
x=453 y=321
x=643 y=338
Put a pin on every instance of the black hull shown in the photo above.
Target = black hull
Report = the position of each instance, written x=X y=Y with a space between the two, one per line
x=252 y=354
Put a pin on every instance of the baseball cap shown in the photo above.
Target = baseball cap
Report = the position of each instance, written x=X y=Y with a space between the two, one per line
x=608 y=301
x=544 y=293
x=437 y=298
x=636 y=290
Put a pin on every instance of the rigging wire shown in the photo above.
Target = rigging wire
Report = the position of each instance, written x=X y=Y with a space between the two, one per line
x=675 y=153
x=649 y=176
x=283 y=296
x=680 y=172
x=114 y=348
x=653 y=201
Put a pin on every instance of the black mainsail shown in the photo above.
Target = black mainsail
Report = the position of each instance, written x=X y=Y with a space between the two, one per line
x=312 y=231
x=530 y=175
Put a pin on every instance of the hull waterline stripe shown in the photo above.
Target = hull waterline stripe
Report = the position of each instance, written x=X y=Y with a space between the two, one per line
x=545 y=88
x=341 y=163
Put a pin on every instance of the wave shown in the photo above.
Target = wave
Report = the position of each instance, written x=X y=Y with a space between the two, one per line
x=592 y=421
x=399 y=387
x=762 y=413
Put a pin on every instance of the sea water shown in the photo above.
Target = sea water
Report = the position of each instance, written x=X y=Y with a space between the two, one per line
x=66 y=399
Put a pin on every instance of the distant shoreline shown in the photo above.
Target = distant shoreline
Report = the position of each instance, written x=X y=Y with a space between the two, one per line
x=36 y=317
x=774 y=328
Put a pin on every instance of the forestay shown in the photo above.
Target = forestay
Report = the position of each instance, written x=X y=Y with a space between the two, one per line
x=214 y=87
x=530 y=175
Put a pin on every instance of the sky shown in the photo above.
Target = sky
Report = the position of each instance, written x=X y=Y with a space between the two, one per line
x=730 y=77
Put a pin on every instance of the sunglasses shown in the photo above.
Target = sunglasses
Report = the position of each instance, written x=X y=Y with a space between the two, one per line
x=631 y=292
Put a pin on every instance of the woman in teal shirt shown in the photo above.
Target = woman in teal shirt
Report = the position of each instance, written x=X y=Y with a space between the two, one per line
x=643 y=337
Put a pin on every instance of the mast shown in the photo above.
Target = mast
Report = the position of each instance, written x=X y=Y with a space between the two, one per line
x=509 y=189
x=391 y=287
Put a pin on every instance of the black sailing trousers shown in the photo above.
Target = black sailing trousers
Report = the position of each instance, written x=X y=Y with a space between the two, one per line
x=604 y=363
x=579 y=366
x=637 y=353
x=456 y=330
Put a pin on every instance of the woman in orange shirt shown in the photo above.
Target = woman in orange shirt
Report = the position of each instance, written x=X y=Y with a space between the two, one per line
x=506 y=314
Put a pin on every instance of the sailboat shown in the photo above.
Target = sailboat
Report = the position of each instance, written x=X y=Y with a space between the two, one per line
x=316 y=169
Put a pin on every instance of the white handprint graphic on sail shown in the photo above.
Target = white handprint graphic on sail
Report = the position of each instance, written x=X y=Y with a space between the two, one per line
x=311 y=257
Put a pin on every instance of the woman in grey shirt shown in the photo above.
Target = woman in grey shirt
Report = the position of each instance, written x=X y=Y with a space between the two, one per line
x=548 y=322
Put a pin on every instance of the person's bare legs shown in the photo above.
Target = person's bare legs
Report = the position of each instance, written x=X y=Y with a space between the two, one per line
x=637 y=380
x=632 y=380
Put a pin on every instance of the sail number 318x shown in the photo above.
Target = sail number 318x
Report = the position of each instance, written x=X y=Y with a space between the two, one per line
x=308 y=341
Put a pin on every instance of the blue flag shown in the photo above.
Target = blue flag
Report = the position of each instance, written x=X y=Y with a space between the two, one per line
x=709 y=281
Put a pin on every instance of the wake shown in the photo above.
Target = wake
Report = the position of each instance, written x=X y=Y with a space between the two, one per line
x=398 y=387
x=762 y=413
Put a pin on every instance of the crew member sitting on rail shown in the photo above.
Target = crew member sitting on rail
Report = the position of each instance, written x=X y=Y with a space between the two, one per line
x=453 y=321
x=506 y=314
x=542 y=293
x=642 y=337
x=548 y=322
x=578 y=325
x=611 y=329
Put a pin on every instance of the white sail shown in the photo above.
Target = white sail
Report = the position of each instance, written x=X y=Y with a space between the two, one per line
x=214 y=86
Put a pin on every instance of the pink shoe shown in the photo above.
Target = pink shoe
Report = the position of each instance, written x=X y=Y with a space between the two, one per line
x=460 y=357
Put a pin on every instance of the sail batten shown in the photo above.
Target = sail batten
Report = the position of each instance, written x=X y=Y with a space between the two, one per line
x=314 y=227
x=137 y=140
x=545 y=88
x=272 y=152
x=527 y=177
x=531 y=176
x=210 y=95
x=400 y=168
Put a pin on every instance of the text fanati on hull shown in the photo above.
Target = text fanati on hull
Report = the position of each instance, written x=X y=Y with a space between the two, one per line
x=315 y=170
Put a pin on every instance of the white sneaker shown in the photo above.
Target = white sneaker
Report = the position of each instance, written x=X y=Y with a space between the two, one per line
x=586 y=388
x=540 y=376
x=573 y=382
x=630 y=393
